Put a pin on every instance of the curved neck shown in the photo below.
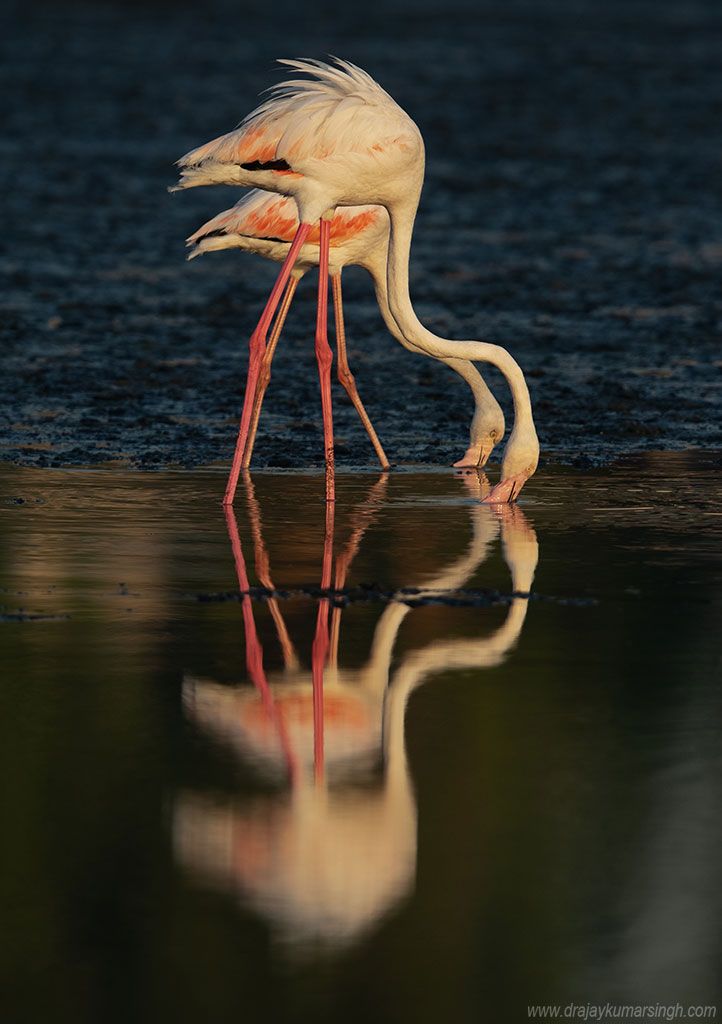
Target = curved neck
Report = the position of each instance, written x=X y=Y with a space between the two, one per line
x=376 y=267
x=402 y=218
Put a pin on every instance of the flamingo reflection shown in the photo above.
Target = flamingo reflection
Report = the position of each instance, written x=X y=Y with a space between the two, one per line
x=334 y=850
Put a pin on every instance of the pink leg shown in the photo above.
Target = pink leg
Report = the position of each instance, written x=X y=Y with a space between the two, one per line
x=324 y=357
x=264 y=376
x=346 y=377
x=319 y=650
x=257 y=349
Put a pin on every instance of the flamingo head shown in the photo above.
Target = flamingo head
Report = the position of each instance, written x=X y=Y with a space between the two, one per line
x=487 y=430
x=521 y=458
x=480 y=448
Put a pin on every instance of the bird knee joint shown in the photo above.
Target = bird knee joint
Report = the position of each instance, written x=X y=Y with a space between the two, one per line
x=324 y=356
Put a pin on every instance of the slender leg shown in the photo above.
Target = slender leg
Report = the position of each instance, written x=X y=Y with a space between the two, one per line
x=265 y=371
x=254 y=650
x=263 y=571
x=319 y=649
x=257 y=349
x=345 y=375
x=324 y=356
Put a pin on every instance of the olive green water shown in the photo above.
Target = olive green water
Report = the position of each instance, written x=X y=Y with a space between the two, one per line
x=512 y=802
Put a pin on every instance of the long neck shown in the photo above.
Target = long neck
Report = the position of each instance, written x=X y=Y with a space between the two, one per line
x=402 y=218
x=377 y=270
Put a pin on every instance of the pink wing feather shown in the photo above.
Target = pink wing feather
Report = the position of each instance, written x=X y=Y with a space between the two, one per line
x=267 y=215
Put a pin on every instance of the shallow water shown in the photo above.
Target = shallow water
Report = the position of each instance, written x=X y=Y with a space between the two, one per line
x=494 y=801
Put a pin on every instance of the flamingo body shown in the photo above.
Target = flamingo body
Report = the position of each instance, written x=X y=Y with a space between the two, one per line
x=326 y=140
x=336 y=138
x=266 y=224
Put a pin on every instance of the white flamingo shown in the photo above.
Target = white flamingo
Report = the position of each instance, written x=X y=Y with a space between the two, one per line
x=336 y=138
x=265 y=224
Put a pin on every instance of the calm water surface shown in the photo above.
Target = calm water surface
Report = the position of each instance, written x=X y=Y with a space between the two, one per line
x=426 y=800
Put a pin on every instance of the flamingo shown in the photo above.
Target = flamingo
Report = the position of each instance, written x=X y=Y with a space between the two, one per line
x=336 y=138
x=265 y=224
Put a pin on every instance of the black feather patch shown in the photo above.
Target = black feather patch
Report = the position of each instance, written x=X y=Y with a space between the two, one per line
x=266 y=165
x=222 y=233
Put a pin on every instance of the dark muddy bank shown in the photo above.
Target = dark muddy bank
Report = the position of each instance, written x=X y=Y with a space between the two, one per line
x=571 y=213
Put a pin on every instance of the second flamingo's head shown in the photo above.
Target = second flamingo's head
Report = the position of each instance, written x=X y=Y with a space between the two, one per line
x=487 y=430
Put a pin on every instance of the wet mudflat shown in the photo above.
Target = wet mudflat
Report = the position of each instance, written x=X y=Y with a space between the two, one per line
x=570 y=213
x=457 y=801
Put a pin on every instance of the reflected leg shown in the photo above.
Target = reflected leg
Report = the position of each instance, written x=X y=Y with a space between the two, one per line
x=254 y=650
x=319 y=650
x=361 y=523
x=263 y=571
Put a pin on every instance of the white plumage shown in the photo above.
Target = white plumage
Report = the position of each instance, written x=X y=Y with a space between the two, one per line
x=336 y=139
